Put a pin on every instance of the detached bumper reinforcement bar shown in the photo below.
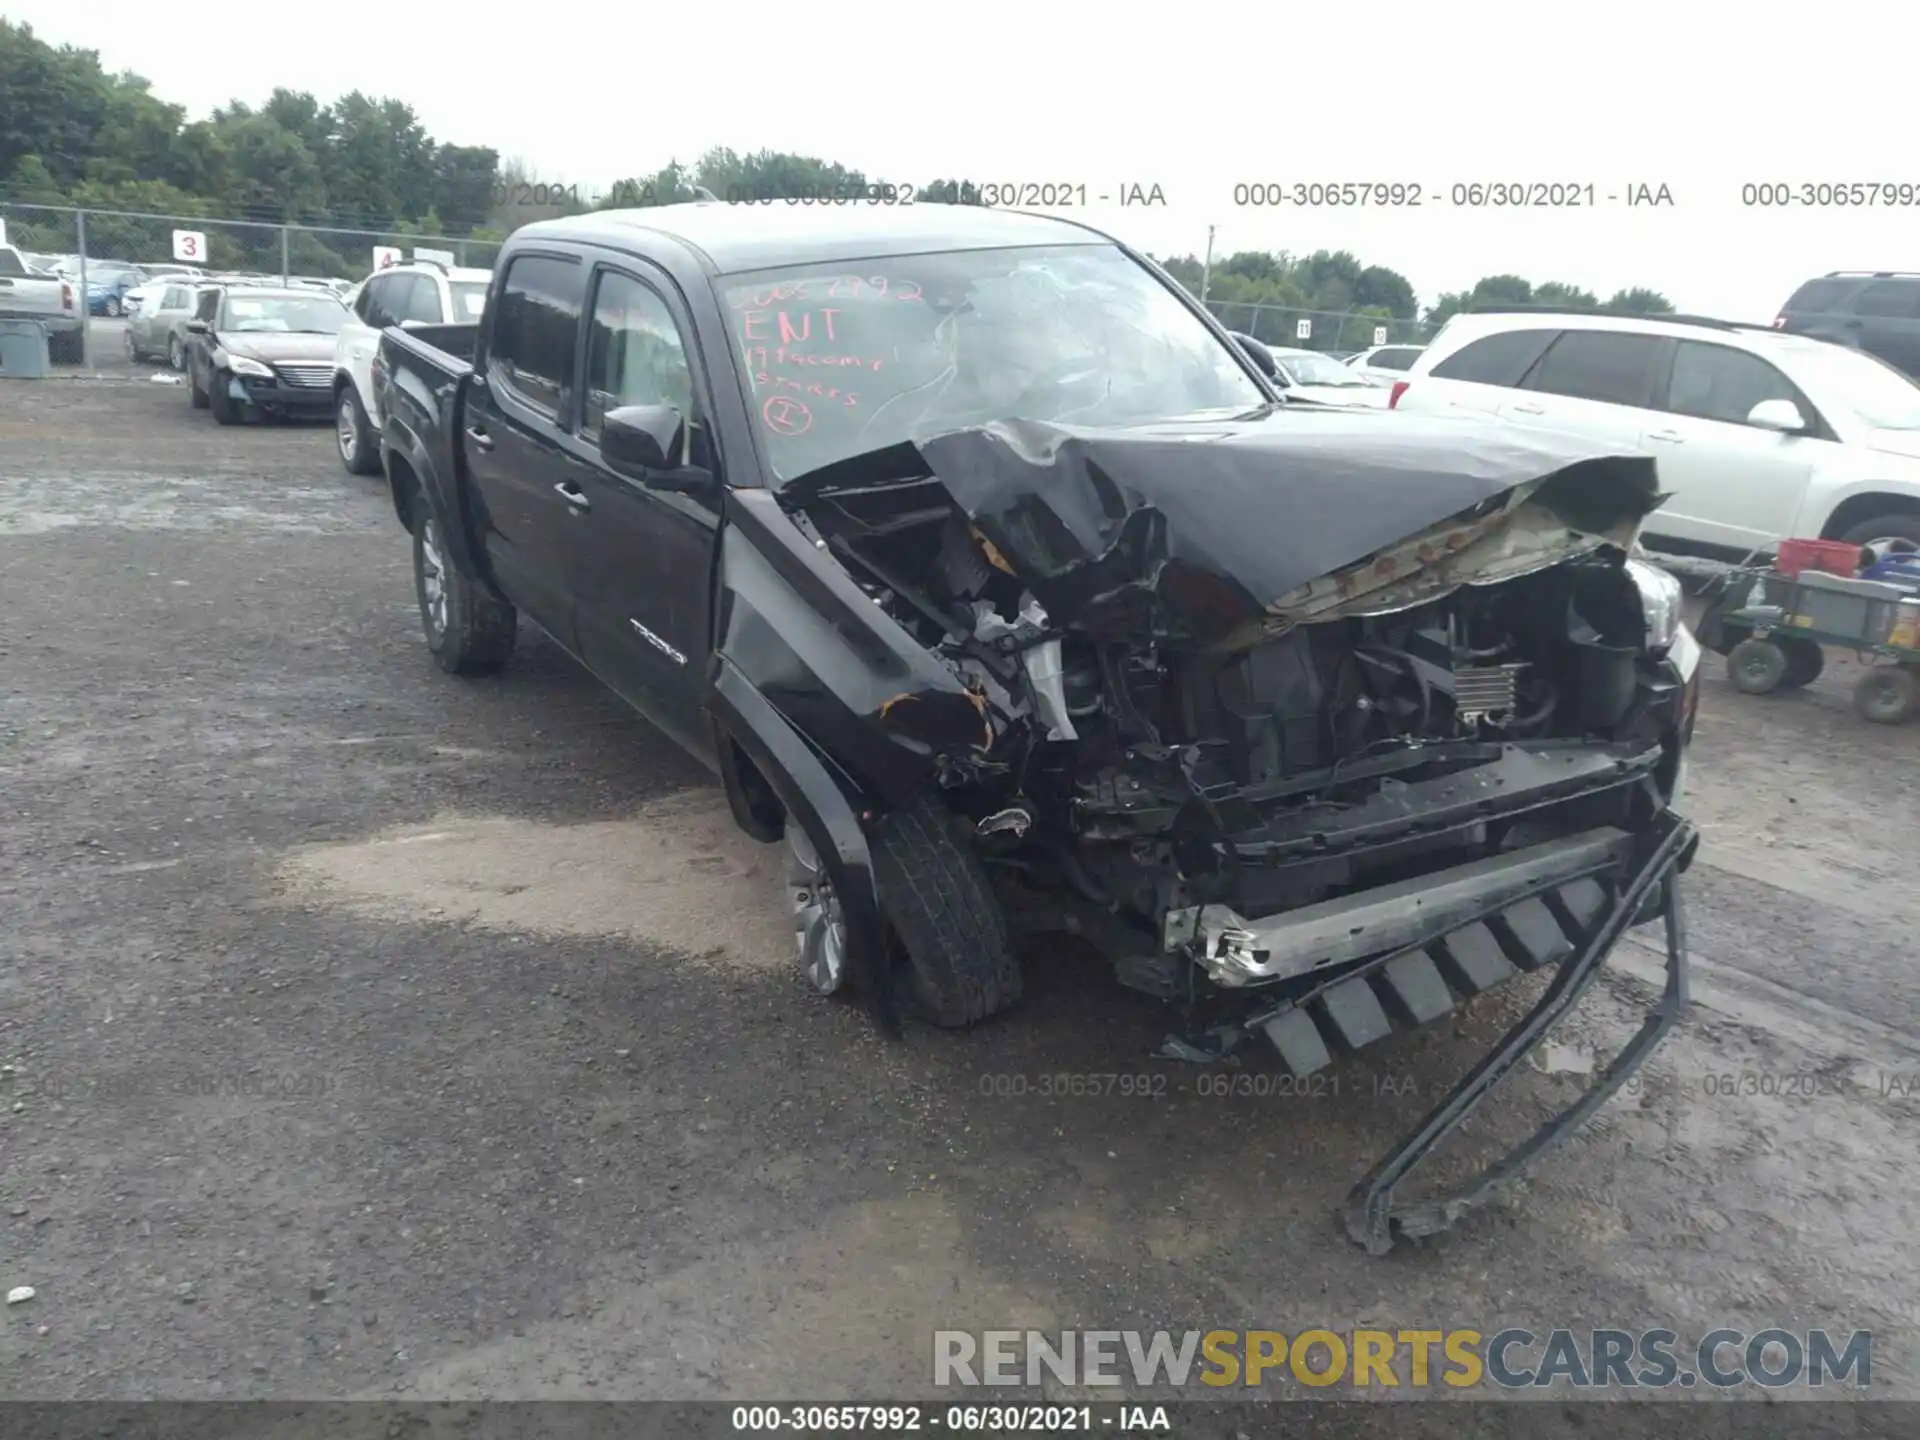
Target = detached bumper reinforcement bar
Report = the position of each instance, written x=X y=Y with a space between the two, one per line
x=1371 y=1217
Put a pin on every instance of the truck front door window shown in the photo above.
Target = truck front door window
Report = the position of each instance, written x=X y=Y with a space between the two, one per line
x=635 y=355
x=534 y=330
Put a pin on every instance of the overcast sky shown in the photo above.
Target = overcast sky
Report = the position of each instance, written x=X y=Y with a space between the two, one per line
x=1699 y=99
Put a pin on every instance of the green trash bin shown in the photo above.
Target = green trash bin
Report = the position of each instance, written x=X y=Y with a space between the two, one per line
x=23 y=350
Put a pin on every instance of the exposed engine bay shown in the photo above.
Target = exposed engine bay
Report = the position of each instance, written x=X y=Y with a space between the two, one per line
x=1129 y=775
x=1315 y=729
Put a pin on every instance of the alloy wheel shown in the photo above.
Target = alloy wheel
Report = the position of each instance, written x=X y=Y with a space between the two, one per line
x=433 y=578
x=819 y=931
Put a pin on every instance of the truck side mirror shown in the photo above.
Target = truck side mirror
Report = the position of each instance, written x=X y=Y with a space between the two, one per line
x=641 y=441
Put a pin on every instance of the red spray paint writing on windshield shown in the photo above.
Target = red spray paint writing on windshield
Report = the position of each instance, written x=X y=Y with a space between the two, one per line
x=758 y=327
x=759 y=357
x=837 y=287
x=782 y=386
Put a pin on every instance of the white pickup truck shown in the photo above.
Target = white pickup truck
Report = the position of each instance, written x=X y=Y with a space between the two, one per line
x=28 y=294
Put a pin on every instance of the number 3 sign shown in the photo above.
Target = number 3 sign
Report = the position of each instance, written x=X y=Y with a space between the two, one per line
x=189 y=245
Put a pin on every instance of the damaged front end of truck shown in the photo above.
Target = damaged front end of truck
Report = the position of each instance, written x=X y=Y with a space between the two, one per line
x=1315 y=726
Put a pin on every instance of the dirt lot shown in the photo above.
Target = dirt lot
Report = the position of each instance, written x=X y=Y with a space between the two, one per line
x=374 y=1033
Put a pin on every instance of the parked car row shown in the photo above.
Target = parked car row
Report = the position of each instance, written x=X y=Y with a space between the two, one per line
x=257 y=345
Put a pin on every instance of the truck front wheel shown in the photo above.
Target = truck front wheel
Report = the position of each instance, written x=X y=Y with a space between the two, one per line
x=946 y=928
x=469 y=630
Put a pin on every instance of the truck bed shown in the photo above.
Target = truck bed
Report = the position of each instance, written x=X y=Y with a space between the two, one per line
x=27 y=294
x=441 y=343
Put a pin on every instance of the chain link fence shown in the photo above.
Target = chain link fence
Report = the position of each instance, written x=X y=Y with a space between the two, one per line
x=219 y=245
x=1337 y=331
x=81 y=241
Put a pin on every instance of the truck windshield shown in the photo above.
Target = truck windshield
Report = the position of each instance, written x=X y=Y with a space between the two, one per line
x=285 y=314
x=846 y=358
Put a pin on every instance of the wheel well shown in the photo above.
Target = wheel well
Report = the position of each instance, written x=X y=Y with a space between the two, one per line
x=1864 y=507
x=755 y=804
x=406 y=488
x=341 y=380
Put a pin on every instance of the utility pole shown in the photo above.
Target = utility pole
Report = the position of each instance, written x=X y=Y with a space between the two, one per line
x=1206 y=267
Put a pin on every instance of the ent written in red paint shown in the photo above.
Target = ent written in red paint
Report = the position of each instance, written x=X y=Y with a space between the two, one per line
x=757 y=326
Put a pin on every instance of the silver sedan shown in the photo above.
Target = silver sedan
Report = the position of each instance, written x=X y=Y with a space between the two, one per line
x=156 y=328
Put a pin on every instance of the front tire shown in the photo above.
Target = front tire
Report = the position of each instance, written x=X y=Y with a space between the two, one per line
x=175 y=359
x=353 y=434
x=469 y=630
x=112 y=307
x=225 y=410
x=950 y=934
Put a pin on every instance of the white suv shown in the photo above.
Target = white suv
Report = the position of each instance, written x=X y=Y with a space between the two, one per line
x=1760 y=436
x=418 y=292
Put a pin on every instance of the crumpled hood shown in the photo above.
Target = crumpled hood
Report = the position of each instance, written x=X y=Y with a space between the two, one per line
x=1219 y=532
x=273 y=346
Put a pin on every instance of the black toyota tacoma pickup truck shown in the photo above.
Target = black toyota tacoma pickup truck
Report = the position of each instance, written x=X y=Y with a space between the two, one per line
x=987 y=570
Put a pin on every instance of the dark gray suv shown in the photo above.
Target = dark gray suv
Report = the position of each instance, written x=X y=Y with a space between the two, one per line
x=1873 y=310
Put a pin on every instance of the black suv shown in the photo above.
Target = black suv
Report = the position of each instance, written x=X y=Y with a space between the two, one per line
x=1873 y=310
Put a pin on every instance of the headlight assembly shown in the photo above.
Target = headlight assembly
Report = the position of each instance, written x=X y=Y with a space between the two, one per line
x=241 y=365
x=1660 y=600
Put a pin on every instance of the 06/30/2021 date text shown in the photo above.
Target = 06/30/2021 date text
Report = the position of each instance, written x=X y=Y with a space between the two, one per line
x=1569 y=194
x=994 y=194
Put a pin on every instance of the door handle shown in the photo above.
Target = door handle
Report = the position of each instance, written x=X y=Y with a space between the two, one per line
x=1528 y=410
x=573 y=495
x=481 y=440
x=1668 y=437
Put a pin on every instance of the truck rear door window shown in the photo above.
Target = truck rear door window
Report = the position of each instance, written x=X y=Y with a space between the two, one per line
x=534 y=330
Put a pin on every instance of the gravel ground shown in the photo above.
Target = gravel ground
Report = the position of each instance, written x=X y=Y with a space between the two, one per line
x=372 y=1033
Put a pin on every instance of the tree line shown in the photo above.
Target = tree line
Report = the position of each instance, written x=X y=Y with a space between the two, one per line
x=73 y=134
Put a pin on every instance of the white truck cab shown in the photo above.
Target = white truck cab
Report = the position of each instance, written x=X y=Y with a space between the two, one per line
x=414 y=292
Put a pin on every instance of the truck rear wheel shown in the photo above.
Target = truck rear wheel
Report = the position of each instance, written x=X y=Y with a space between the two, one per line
x=946 y=924
x=469 y=630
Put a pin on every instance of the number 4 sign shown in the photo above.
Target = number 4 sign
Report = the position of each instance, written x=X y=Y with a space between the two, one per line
x=385 y=256
x=190 y=245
